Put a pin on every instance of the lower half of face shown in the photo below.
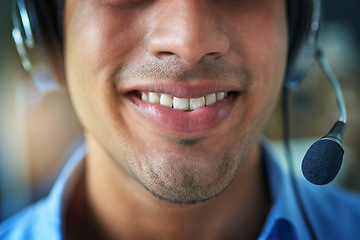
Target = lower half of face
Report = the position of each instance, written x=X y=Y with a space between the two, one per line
x=189 y=151
x=186 y=169
x=178 y=167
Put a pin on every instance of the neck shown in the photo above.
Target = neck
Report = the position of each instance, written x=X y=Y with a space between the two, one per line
x=120 y=207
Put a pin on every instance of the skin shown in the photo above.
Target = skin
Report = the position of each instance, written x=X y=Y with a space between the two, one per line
x=144 y=182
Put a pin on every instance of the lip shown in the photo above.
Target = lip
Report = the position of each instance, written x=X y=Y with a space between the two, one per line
x=169 y=119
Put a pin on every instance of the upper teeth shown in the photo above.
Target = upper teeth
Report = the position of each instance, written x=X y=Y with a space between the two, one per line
x=184 y=104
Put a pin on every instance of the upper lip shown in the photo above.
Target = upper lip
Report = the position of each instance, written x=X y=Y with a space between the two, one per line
x=184 y=90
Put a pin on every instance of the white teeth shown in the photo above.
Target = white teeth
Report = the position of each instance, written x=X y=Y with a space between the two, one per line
x=184 y=104
x=220 y=96
x=210 y=99
x=181 y=103
x=166 y=100
x=196 y=103
x=144 y=97
x=154 y=98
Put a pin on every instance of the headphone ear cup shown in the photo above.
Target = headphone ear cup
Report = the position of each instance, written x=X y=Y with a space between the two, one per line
x=38 y=43
x=304 y=22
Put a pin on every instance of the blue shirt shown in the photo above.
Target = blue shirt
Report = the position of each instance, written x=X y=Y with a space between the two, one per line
x=334 y=213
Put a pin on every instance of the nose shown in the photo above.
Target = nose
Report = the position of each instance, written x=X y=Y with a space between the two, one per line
x=189 y=30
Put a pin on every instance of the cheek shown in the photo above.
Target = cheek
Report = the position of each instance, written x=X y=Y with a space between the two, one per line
x=97 y=42
x=269 y=52
x=259 y=36
x=269 y=39
x=101 y=40
x=263 y=45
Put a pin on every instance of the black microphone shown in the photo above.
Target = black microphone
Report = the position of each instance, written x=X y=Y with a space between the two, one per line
x=322 y=161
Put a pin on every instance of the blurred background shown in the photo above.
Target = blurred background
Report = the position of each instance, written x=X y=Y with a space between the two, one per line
x=38 y=133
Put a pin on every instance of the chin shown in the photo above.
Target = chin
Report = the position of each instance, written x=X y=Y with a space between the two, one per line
x=187 y=182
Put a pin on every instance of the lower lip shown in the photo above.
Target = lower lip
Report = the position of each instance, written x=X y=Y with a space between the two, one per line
x=200 y=120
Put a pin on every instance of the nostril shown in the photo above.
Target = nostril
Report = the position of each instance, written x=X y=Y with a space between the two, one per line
x=165 y=55
x=213 y=55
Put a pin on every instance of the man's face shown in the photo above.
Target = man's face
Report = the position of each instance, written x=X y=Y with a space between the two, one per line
x=118 y=50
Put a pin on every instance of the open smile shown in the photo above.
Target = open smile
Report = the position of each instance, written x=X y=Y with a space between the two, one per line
x=200 y=112
x=183 y=104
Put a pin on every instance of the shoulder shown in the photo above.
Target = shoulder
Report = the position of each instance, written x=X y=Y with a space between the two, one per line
x=43 y=220
x=34 y=222
x=334 y=212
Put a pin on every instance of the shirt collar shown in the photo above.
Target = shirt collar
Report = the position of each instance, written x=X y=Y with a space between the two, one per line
x=60 y=195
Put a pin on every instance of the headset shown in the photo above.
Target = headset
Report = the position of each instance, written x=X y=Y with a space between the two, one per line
x=38 y=36
x=38 y=39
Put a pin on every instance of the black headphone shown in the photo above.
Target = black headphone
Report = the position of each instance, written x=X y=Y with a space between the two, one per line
x=38 y=37
x=38 y=40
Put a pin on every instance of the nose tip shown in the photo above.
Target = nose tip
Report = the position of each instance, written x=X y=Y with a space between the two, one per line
x=190 y=34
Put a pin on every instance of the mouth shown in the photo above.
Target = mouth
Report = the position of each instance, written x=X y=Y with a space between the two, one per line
x=184 y=111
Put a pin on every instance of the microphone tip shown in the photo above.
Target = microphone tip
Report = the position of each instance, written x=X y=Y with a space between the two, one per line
x=322 y=161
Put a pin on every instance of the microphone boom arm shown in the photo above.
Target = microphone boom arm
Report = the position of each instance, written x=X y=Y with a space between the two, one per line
x=325 y=66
